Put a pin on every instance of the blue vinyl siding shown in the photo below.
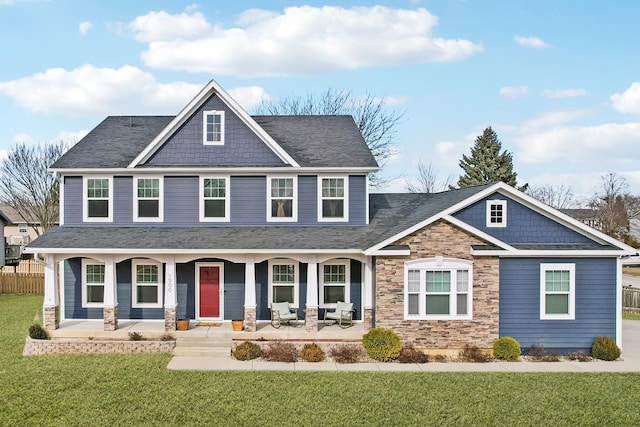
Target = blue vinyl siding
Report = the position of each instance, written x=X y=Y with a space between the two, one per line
x=181 y=202
x=595 y=304
x=524 y=225
x=73 y=200
x=186 y=288
x=248 y=200
x=242 y=147
x=233 y=291
x=307 y=200
x=357 y=200
x=73 y=293
x=262 y=291
x=122 y=200
x=355 y=290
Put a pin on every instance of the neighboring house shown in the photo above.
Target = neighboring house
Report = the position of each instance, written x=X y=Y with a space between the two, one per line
x=18 y=231
x=586 y=216
x=214 y=214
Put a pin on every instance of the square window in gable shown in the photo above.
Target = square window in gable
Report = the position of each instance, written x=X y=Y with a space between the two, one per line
x=496 y=213
x=213 y=127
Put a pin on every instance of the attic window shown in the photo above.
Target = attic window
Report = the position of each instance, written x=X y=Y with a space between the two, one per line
x=213 y=127
x=496 y=213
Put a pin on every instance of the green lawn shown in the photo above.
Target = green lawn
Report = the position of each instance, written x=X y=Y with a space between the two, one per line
x=631 y=316
x=136 y=390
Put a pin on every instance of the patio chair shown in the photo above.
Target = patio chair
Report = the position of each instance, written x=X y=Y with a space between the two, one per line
x=281 y=313
x=342 y=315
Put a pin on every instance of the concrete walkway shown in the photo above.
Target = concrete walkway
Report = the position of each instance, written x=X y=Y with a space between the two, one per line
x=629 y=362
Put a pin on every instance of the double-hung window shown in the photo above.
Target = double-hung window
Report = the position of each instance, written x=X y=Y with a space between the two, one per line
x=333 y=199
x=147 y=284
x=213 y=127
x=148 y=199
x=438 y=288
x=97 y=204
x=496 y=213
x=557 y=291
x=334 y=282
x=92 y=283
x=281 y=199
x=214 y=199
x=283 y=281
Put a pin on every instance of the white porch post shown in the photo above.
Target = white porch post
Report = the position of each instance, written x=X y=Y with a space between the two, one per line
x=250 y=294
x=311 y=311
x=367 y=315
x=110 y=309
x=170 y=294
x=51 y=306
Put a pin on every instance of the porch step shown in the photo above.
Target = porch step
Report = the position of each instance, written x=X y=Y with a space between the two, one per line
x=203 y=346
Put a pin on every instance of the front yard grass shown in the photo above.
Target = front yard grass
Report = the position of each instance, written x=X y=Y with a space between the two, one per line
x=138 y=390
x=633 y=271
x=631 y=316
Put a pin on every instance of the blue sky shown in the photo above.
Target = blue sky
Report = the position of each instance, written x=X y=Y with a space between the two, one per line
x=559 y=81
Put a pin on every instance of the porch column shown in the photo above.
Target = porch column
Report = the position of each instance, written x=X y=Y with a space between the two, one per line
x=311 y=312
x=170 y=295
x=367 y=315
x=51 y=306
x=250 y=294
x=110 y=309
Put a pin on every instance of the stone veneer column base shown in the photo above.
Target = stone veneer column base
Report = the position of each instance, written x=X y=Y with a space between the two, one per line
x=250 y=319
x=311 y=319
x=368 y=318
x=51 y=317
x=110 y=315
x=169 y=319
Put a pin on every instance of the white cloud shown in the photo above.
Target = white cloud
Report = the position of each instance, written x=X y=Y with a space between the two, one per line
x=627 y=101
x=6 y=2
x=70 y=137
x=564 y=93
x=300 y=40
x=533 y=42
x=23 y=138
x=513 y=92
x=249 y=97
x=84 y=27
x=555 y=118
x=88 y=90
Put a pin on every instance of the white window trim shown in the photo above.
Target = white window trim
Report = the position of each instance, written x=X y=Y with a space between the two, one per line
x=438 y=264
x=345 y=217
x=205 y=114
x=85 y=200
x=85 y=304
x=227 y=198
x=23 y=228
x=160 y=199
x=347 y=287
x=572 y=291
x=296 y=280
x=502 y=203
x=294 y=204
x=134 y=284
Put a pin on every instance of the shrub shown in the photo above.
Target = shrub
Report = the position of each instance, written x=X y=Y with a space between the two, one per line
x=167 y=337
x=506 y=348
x=280 y=352
x=605 y=348
x=345 y=353
x=135 y=336
x=579 y=356
x=472 y=353
x=247 y=351
x=382 y=344
x=37 y=332
x=312 y=353
x=410 y=354
x=536 y=352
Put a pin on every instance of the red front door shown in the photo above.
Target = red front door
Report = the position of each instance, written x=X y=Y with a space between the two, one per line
x=209 y=291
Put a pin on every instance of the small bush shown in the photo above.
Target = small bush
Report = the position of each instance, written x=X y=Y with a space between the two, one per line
x=410 y=354
x=135 y=336
x=536 y=352
x=281 y=352
x=312 y=353
x=167 y=337
x=36 y=332
x=440 y=358
x=506 y=348
x=472 y=353
x=605 y=348
x=346 y=353
x=579 y=356
x=382 y=344
x=247 y=351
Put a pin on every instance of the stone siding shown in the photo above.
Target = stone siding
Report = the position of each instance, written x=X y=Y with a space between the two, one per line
x=51 y=317
x=250 y=319
x=110 y=315
x=439 y=239
x=84 y=346
x=311 y=319
x=169 y=319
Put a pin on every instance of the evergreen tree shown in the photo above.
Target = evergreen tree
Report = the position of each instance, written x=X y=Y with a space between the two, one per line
x=486 y=164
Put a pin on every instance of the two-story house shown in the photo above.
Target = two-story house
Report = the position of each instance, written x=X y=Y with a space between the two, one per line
x=215 y=214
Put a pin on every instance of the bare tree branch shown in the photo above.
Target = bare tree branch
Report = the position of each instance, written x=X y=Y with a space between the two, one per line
x=559 y=197
x=428 y=181
x=610 y=205
x=28 y=187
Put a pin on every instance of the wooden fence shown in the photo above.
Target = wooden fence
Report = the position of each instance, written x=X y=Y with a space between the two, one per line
x=631 y=300
x=25 y=278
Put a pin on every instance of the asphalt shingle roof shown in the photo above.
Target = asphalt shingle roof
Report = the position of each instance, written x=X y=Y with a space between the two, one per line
x=313 y=141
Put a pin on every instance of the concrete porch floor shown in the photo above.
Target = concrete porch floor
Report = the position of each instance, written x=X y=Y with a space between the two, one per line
x=155 y=329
